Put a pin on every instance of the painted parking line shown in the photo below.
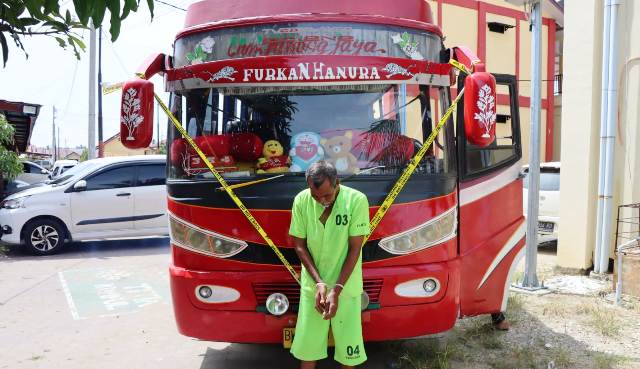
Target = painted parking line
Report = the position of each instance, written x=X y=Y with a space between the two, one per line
x=96 y=293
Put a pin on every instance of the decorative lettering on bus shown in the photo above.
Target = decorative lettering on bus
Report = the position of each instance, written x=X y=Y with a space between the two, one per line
x=293 y=44
x=310 y=72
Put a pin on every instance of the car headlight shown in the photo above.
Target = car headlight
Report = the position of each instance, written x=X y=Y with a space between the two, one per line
x=191 y=237
x=434 y=232
x=13 y=203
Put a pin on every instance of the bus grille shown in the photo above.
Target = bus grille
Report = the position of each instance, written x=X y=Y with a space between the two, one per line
x=291 y=289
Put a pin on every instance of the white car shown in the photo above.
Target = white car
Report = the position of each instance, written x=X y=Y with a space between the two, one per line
x=61 y=166
x=116 y=197
x=549 y=205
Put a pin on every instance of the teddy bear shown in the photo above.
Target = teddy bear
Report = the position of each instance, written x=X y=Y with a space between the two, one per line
x=338 y=149
x=305 y=150
x=273 y=160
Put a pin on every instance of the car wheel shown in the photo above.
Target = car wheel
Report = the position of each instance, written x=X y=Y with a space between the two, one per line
x=44 y=237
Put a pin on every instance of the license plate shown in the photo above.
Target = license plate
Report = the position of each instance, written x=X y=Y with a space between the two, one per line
x=288 y=333
x=287 y=337
x=545 y=226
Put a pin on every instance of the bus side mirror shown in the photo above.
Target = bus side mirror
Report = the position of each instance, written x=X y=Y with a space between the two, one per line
x=480 y=108
x=136 y=113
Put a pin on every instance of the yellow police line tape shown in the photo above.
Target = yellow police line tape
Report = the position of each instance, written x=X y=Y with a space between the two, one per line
x=380 y=213
x=408 y=171
x=228 y=189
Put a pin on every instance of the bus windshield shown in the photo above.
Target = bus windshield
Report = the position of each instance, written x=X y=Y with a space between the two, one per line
x=246 y=131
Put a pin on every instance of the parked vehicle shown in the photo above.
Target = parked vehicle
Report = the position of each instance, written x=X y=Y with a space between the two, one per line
x=549 y=205
x=61 y=166
x=362 y=84
x=32 y=173
x=45 y=163
x=11 y=187
x=116 y=197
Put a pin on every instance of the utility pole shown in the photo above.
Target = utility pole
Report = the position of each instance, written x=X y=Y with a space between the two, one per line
x=100 y=144
x=53 y=137
x=92 y=92
x=58 y=143
x=530 y=281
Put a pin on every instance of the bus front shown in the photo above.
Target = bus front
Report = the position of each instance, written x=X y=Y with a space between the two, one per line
x=266 y=90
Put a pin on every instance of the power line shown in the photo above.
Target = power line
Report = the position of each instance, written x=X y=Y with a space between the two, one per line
x=73 y=82
x=171 y=5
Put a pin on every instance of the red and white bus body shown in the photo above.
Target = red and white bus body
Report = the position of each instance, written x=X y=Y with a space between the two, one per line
x=373 y=68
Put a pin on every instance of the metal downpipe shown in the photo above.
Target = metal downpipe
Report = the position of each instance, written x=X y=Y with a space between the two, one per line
x=603 y=130
x=608 y=139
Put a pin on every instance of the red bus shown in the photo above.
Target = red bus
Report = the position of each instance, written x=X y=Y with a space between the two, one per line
x=265 y=88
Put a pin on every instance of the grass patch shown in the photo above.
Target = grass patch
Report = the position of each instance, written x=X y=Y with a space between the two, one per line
x=36 y=357
x=562 y=358
x=4 y=250
x=429 y=353
x=606 y=361
x=555 y=309
x=515 y=308
x=515 y=303
x=492 y=342
x=517 y=276
x=482 y=334
x=525 y=357
x=604 y=322
x=584 y=309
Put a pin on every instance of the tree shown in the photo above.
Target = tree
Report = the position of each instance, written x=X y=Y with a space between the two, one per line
x=85 y=154
x=20 y=18
x=10 y=165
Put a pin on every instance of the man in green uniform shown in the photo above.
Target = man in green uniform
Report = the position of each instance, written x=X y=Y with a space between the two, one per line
x=328 y=224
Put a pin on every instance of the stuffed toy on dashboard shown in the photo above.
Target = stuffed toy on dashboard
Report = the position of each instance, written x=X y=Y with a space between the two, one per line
x=273 y=159
x=338 y=149
x=305 y=150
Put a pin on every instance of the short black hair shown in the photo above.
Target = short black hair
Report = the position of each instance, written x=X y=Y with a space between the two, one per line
x=321 y=171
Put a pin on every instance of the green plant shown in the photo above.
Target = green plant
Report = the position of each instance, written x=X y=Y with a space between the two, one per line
x=10 y=165
x=429 y=353
x=555 y=309
x=561 y=357
x=525 y=357
x=492 y=341
x=604 y=322
x=84 y=155
x=605 y=361
x=20 y=18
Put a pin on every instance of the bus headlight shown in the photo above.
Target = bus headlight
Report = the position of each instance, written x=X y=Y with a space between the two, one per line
x=431 y=233
x=277 y=304
x=196 y=239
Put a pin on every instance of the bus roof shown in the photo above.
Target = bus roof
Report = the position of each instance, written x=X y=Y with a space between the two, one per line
x=411 y=12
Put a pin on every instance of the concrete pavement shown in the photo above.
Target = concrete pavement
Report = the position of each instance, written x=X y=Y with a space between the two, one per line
x=107 y=305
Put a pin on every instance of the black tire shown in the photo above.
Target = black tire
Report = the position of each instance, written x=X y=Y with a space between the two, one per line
x=44 y=237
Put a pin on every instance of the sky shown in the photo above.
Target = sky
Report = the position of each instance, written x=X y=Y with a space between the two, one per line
x=53 y=76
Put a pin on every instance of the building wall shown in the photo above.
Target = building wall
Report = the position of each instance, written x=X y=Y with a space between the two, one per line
x=464 y=22
x=114 y=147
x=581 y=133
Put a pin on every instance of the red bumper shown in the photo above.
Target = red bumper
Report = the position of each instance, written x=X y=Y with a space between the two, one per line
x=238 y=321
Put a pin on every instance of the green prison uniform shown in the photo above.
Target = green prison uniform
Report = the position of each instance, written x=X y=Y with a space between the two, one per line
x=328 y=245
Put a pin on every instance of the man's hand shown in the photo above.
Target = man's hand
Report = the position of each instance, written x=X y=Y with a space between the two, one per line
x=331 y=305
x=321 y=297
